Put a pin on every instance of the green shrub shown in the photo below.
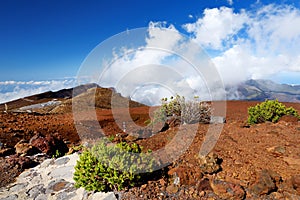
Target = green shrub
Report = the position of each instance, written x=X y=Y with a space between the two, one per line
x=270 y=110
x=189 y=111
x=107 y=167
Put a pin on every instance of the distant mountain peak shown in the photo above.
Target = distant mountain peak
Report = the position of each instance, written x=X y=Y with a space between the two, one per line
x=261 y=89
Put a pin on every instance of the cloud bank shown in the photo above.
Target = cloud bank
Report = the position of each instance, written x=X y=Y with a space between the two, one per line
x=250 y=44
x=11 y=90
x=261 y=43
x=162 y=64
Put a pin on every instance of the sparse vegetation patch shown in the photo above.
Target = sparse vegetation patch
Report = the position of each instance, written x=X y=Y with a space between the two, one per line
x=270 y=110
x=189 y=111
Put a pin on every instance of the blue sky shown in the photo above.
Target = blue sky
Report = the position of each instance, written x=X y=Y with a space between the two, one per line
x=48 y=40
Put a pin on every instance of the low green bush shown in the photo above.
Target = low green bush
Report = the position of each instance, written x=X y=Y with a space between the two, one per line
x=108 y=167
x=270 y=110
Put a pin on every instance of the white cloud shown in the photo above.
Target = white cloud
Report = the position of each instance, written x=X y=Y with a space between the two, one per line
x=250 y=44
x=216 y=28
x=163 y=65
x=159 y=35
x=11 y=90
x=230 y=2
x=126 y=64
x=275 y=29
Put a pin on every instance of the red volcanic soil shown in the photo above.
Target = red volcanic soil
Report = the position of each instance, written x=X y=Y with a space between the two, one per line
x=244 y=151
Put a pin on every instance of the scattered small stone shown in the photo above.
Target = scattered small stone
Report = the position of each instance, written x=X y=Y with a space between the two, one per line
x=238 y=163
x=276 y=195
x=172 y=189
x=226 y=190
x=131 y=138
x=210 y=164
x=217 y=120
x=191 y=190
x=277 y=150
x=184 y=175
x=202 y=194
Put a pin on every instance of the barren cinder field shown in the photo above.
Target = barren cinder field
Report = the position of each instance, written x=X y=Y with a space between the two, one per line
x=248 y=162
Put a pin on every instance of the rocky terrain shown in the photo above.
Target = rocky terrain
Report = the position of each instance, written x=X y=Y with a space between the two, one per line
x=53 y=179
x=248 y=162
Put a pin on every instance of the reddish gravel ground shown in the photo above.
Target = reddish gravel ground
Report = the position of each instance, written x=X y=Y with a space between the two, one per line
x=243 y=152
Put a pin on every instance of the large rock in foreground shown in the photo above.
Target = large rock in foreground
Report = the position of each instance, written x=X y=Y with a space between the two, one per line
x=52 y=179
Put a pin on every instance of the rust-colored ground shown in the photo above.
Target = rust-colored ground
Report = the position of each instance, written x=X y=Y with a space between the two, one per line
x=244 y=150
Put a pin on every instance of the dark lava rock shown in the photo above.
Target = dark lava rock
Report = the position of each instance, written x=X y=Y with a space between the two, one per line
x=49 y=144
x=184 y=175
x=204 y=185
x=226 y=190
x=6 y=152
x=21 y=162
x=266 y=182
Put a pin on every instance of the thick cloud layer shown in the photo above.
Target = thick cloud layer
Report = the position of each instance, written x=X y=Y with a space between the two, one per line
x=11 y=90
x=165 y=63
x=259 y=43
x=262 y=43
